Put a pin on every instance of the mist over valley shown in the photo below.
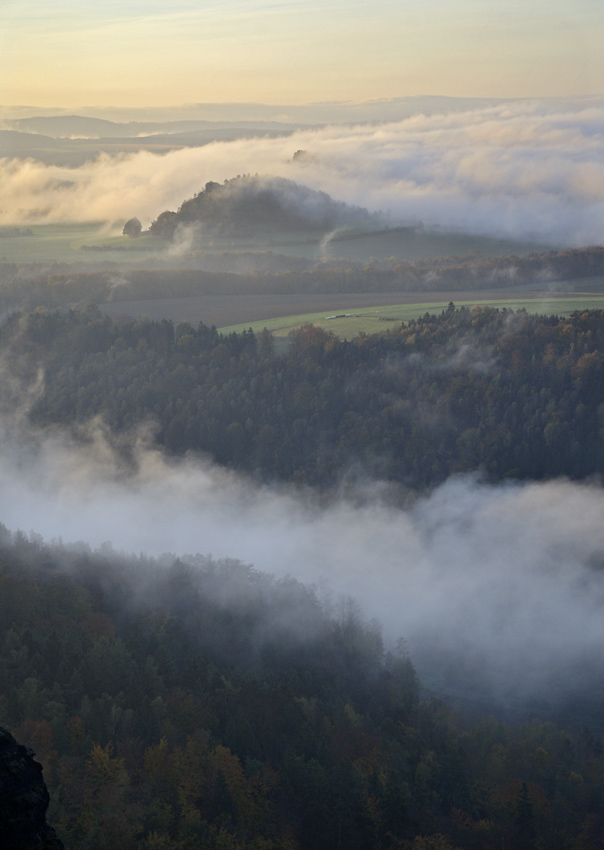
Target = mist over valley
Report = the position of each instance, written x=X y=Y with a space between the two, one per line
x=312 y=587
x=470 y=170
x=351 y=464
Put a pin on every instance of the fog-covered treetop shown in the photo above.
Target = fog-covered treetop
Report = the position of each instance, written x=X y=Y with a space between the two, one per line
x=247 y=205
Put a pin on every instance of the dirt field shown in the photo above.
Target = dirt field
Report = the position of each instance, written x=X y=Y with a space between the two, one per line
x=230 y=310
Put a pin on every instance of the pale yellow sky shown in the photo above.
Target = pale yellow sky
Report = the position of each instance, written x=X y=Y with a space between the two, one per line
x=296 y=51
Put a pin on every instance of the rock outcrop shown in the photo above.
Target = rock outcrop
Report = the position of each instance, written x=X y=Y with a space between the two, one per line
x=23 y=800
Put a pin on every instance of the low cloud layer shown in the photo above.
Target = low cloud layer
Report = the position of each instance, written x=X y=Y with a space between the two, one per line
x=524 y=170
x=496 y=589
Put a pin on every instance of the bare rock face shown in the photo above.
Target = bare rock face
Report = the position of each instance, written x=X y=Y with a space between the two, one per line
x=23 y=800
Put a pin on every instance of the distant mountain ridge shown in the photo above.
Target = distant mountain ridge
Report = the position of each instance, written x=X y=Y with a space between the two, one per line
x=338 y=112
x=83 y=126
x=74 y=141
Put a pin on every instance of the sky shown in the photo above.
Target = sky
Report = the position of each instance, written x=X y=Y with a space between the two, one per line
x=141 y=52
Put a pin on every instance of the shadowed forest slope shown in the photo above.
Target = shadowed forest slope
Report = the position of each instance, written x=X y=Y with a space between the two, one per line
x=511 y=394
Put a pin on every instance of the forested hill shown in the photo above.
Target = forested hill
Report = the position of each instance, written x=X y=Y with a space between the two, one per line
x=249 y=205
x=510 y=394
x=191 y=703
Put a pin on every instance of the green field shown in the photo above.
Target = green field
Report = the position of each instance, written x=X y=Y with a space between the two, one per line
x=70 y=243
x=349 y=324
x=102 y=244
x=94 y=242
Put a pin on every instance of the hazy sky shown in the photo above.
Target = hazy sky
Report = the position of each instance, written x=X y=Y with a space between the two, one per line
x=147 y=53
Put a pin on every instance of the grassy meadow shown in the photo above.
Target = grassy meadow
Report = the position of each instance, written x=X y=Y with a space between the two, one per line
x=368 y=320
x=94 y=242
x=70 y=243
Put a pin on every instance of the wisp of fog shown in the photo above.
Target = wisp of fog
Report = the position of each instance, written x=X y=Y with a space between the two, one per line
x=495 y=588
x=525 y=169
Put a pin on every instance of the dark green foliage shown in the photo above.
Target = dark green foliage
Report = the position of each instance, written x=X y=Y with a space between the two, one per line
x=133 y=228
x=201 y=675
x=507 y=393
x=525 y=819
x=187 y=715
x=247 y=205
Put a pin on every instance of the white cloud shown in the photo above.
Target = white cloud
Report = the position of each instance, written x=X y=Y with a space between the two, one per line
x=514 y=170
x=495 y=588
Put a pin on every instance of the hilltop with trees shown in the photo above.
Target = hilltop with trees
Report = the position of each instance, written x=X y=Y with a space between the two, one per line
x=249 y=205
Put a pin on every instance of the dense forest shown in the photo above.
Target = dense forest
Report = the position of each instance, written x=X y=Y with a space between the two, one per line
x=508 y=393
x=190 y=703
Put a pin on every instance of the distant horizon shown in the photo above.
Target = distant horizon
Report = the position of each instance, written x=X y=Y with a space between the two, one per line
x=319 y=111
x=112 y=55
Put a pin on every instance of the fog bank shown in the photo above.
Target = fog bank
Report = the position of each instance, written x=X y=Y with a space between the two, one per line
x=526 y=169
x=498 y=589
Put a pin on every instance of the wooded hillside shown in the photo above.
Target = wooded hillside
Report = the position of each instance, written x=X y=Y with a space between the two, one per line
x=510 y=394
x=191 y=703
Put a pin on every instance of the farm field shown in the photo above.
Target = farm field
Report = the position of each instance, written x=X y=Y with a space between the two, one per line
x=371 y=312
x=63 y=243
x=412 y=243
x=370 y=320
x=96 y=242
x=243 y=310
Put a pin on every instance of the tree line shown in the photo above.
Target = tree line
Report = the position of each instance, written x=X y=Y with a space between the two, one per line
x=29 y=285
x=503 y=392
